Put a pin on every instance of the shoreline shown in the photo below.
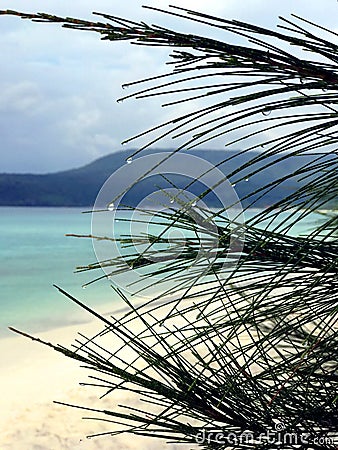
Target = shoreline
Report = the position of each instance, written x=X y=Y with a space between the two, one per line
x=33 y=376
x=79 y=318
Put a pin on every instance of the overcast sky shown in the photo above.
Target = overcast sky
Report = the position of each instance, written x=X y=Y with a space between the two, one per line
x=59 y=87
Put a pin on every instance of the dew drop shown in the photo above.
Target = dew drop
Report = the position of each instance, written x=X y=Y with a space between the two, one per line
x=129 y=160
x=84 y=287
x=233 y=184
x=246 y=179
x=111 y=206
x=172 y=201
x=194 y=203
x=266 y=112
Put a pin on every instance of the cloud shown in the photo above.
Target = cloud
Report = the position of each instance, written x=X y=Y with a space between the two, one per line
x=23 y=97
x=59 y=87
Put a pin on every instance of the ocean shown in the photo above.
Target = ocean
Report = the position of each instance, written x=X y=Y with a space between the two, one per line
x=35 y=254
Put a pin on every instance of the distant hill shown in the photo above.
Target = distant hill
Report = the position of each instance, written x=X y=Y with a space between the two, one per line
x=79 y=187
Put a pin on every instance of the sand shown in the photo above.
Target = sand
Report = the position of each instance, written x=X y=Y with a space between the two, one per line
x=32 y=376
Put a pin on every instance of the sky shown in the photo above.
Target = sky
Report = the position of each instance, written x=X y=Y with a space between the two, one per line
x=58 y=107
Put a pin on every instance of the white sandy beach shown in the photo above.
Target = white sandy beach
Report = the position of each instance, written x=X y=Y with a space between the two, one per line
x=32 y=376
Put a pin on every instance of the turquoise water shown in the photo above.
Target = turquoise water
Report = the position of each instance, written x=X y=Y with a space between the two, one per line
x=35 y=254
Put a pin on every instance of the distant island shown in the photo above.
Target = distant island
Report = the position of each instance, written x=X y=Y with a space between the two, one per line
x=79 y=187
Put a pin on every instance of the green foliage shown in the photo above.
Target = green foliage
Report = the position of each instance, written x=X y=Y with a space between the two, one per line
x=240 y=352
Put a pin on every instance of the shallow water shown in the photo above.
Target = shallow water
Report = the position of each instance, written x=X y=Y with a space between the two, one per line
x=35 y=254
